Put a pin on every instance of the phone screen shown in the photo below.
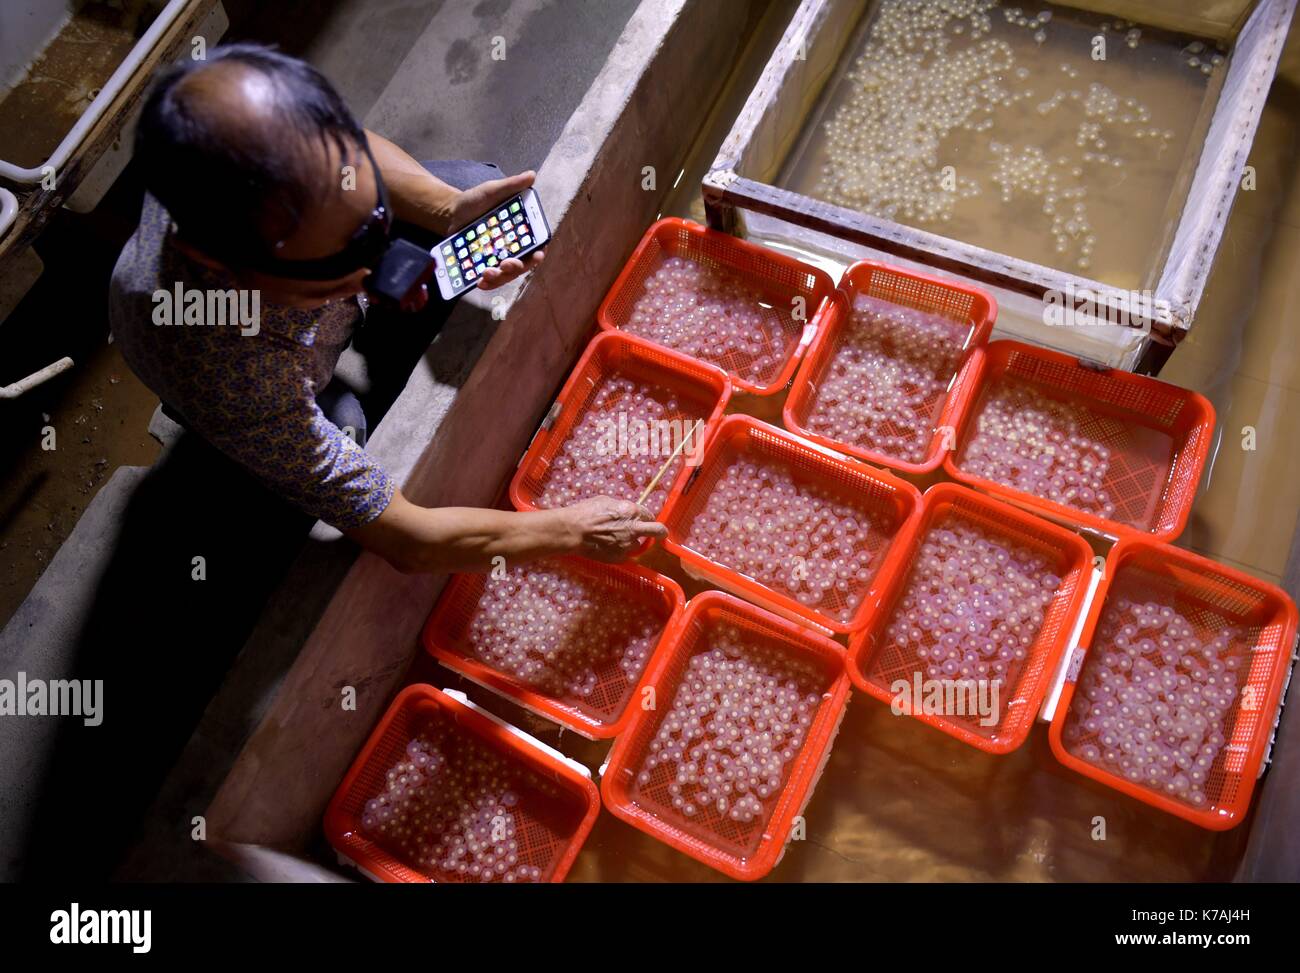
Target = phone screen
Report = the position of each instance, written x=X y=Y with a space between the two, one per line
x=503 y=233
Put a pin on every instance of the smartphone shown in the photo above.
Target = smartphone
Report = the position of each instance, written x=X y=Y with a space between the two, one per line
x=514 y=228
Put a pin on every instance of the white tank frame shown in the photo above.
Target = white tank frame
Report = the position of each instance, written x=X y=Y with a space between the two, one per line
x=31 y=175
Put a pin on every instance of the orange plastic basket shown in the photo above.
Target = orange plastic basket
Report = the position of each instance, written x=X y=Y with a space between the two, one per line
x=743 y=850
x=780 y=279
x=603 y=711
x=702 y=392
x=1158 y=436
x=556 y=803
x=972 y=312
x=890 y=507
x=875 y=663
x=1210 y=597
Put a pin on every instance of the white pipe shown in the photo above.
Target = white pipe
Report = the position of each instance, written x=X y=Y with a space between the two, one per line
x=110 y=91
x=35 y=379
x=1057 y=685
x=8 y=210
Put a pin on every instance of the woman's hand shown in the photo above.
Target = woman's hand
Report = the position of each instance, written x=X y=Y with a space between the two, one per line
x=472 y=203
x=607 y=529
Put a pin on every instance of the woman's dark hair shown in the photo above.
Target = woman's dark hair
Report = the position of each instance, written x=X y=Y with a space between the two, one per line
x=232 y=185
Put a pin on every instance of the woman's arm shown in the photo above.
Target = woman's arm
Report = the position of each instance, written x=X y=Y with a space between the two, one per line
x=418 y=540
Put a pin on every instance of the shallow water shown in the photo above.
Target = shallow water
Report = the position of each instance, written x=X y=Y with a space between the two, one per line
x=1015 y=139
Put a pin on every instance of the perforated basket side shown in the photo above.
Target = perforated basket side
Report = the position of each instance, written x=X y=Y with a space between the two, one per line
x=1196 y=427
x=1111 y=392
x=370 y=781
x=922 y=292
x=618 y=305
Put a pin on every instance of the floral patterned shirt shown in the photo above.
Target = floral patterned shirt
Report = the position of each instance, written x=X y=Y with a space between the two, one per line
x=249 y=391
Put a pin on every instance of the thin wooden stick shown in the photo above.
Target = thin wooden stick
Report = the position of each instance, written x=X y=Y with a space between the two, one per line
x=669 y=461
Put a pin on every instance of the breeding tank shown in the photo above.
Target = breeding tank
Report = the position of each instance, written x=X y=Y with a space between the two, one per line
x=1090 y=153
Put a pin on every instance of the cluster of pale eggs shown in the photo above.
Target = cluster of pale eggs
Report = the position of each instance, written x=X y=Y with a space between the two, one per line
x=1101 y=105
x=1029 y=172
x=882 y=145
x=561 y=632
x=1201 y=59
x=791 y=536
x=1155 y=700
x=593 y=461
x=911 y=89
x=883 y=387
x=1039 y=445
x=449 y=806
x=1132 y=33
x=908 y=27
x=738 y=718
x=973 y=606
x=1018 y=18
x=716 y=315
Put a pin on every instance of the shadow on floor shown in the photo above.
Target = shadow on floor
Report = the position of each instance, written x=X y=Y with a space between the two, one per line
x=163 y=630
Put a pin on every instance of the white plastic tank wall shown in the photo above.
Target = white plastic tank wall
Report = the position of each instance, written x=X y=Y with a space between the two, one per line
x=26 y=29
